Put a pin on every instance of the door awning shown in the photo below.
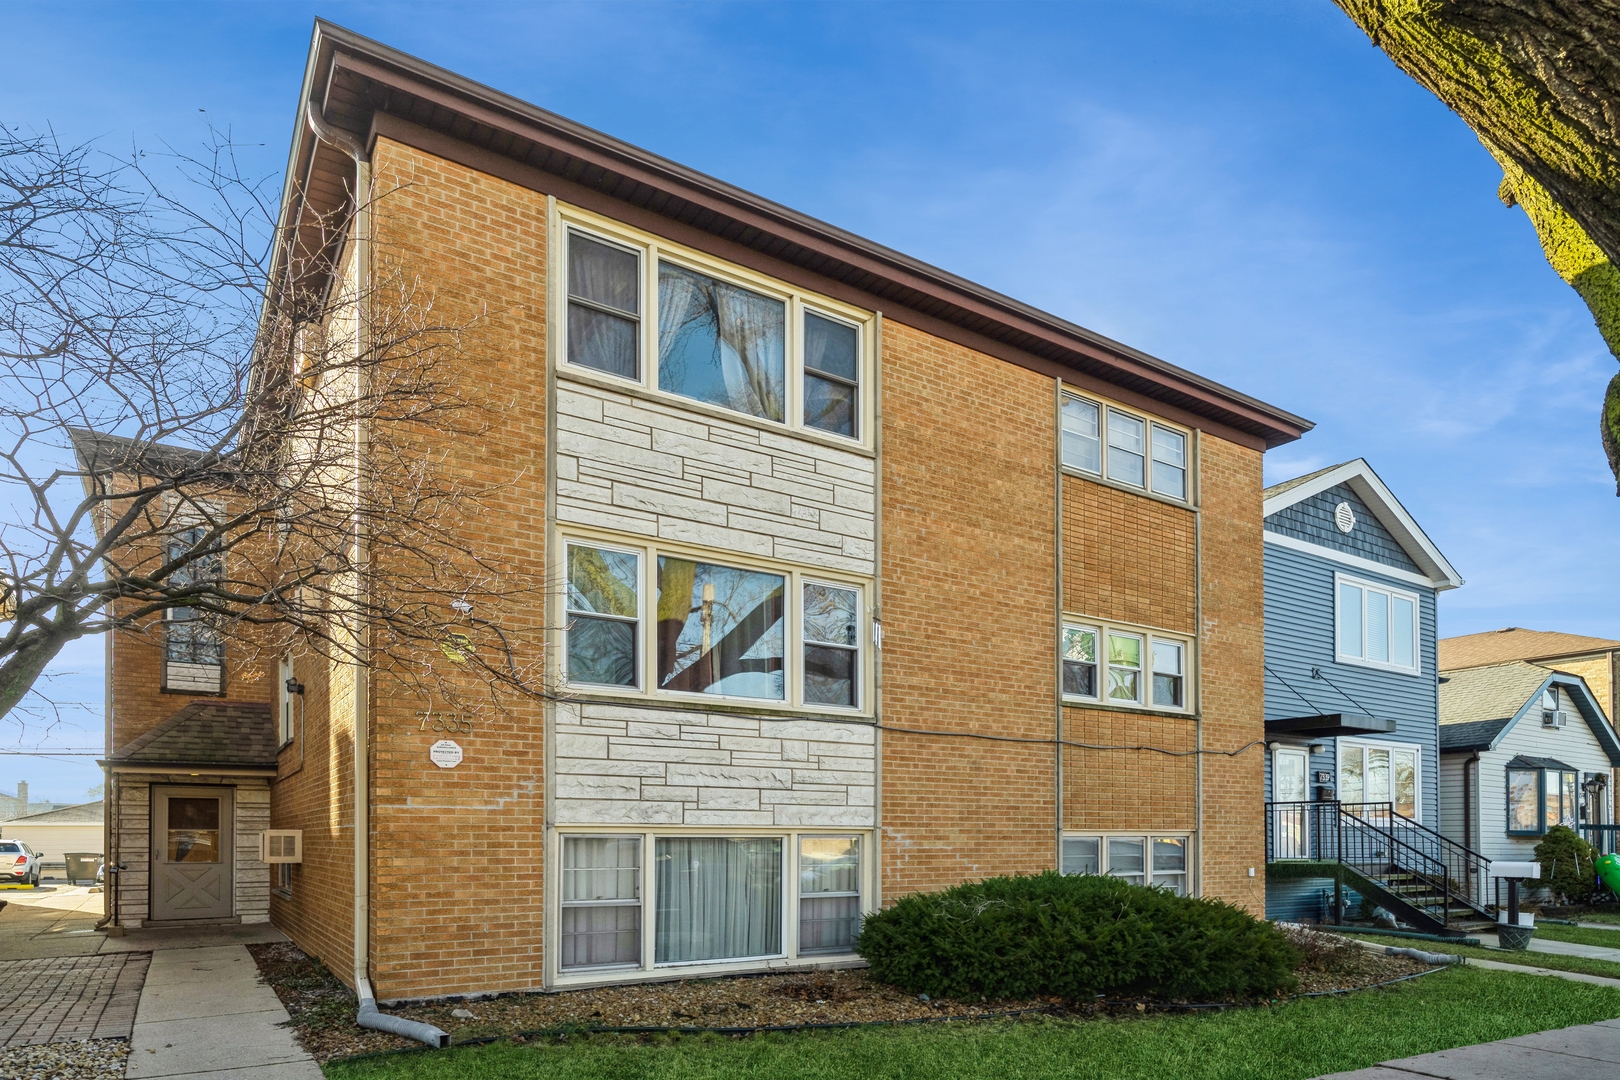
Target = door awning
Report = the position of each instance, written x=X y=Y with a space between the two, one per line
x=1330 y=725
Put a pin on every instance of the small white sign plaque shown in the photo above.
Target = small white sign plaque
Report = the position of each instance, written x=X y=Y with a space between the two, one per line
x=445 y=753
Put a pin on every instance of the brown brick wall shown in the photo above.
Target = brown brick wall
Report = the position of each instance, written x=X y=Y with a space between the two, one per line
x=968 y=613
x=457 y=903
x=1126 y=557
x=1233 y=648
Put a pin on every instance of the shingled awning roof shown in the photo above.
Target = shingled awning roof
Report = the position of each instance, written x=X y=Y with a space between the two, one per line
x=207 y=734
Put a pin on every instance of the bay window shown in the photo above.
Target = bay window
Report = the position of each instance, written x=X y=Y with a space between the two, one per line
x=651 y=312
x=715 y=899
x=1125 y=448
x=1161 y=861
x=710 y=627
x=1377 y=625
x=1123 y=666
x=1373 y=772
x=1541 y=793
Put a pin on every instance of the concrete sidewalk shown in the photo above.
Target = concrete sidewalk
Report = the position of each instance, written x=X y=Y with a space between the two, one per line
x=1581 y=1052
x=1564 y=948
x=206 y=1015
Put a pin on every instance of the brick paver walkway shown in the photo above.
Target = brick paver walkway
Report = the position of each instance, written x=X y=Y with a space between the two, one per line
x=70 y=997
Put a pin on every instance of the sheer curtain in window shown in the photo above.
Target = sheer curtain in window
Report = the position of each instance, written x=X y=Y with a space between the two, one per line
x=718 y=898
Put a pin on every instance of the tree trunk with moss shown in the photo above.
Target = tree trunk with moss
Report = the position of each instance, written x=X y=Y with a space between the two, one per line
x=1539 y=82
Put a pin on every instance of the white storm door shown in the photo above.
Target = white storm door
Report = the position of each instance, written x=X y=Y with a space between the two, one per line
x=1289 y=776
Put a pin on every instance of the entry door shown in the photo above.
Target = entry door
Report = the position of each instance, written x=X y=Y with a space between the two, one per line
x=191 y=853
x=1289 y=768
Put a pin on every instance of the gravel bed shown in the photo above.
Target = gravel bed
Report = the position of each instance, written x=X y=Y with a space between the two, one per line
x=76 y=1059
x=322 y=1009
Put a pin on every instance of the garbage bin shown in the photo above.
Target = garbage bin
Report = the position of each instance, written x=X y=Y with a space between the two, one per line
x=81 y=867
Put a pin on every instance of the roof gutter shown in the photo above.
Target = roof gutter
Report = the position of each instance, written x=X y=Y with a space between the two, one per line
x=368 y=1016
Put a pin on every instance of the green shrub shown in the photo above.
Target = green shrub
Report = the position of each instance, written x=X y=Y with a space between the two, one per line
x=1074 y=937
x=1566 y=866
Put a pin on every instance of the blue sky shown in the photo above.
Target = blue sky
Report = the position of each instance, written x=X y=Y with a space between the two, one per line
x=1249 y=190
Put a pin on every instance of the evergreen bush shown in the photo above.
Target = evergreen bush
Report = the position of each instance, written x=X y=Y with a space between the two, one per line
x=1566 y=866
x=1074 y=937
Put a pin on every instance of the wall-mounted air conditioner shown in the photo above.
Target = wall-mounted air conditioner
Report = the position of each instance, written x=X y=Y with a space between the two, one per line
x=1554 y=717
x=282 y=846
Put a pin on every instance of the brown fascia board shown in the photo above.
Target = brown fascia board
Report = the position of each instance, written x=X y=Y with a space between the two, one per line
x=120 y=765
x=370 y=89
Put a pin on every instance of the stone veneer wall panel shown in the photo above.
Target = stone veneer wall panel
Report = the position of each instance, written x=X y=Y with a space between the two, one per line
x=650 y=468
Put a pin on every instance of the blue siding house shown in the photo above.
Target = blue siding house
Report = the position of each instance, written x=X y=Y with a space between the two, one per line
x=1351 y=705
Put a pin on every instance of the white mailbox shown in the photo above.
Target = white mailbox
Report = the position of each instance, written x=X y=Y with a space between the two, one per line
x=1515 y=870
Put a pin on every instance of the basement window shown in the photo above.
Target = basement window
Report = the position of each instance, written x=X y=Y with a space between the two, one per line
x=1157 y=860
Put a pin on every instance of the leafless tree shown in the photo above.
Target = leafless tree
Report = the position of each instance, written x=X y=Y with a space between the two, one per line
x=199 y=444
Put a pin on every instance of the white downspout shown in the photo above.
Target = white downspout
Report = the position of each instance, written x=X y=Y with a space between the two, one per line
x=369 y=1016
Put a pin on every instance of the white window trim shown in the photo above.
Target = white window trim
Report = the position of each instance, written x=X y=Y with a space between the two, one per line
x=1103 y=405
x=1147 y=635
x=652 y=249
x=1382 y=744
x=640 y=621
x=794 y=577
x=1147 y=837
x=649 y=967
x=286 y=705
x=1388 y=590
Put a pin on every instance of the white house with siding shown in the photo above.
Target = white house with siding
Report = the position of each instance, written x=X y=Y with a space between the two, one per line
x=1522 y=748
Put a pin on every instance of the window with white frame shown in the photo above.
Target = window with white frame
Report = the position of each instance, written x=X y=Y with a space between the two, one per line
x=832 y=654
x=1156 y=860
x=721 y=628
x=1116 y=665
x=604 y=615
x=1381 y=772
x=714 y=899
x=1376 y=625
x=1128 y=449
x=649 y=311
x=286 y=695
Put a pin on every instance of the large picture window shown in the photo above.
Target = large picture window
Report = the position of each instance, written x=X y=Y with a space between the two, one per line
x=711 y=627
x=1124 y=447
x=715 y=899
x=1160 y=861
x=1116 y=665
x=649 y=311
x=720 y=629
x=1371 y=772
x=1377 y=625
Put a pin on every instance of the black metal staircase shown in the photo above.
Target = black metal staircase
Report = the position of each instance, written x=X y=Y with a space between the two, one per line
x=1428 y=881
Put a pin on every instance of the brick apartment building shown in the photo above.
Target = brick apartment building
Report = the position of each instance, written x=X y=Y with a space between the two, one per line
x=869 y=580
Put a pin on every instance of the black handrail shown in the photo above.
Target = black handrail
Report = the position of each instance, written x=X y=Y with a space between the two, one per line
x=1379 y=843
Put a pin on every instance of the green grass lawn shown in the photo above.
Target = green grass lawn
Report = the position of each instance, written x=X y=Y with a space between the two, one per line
x=1600 y=916
x=1581 y=964
x=1579 y=935
x=1292 y=1041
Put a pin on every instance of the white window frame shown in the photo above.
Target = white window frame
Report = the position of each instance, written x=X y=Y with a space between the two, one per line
x=794 y=579
x=858 y=648
x=788 y=956
x=1392 y=745
x=640 y=623
x=651 y=250
x=286 y=718
x=1391 y=593
x=1147 y=636
x=1146 y=837
x=1150 y=426
x=640 y=317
